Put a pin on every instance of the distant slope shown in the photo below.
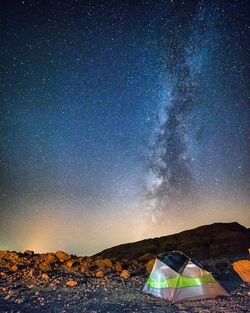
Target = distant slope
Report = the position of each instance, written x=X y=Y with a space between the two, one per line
x=208 y=241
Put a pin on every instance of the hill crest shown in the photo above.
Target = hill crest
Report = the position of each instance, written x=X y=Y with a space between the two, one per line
x=208 y=241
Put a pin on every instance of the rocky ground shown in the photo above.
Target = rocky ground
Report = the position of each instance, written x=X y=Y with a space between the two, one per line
x=64 y=283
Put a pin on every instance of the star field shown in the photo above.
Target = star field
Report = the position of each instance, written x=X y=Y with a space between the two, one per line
x=120 y=116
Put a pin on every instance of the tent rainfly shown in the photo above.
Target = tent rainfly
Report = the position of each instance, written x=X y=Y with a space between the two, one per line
x=176 y=278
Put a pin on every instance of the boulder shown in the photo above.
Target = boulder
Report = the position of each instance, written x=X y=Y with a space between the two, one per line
x=89 y=260
x=45 y=276
x=125 y=274
x=125 y=263
x=102 y=263
x=12 y=256
x=117 y=266
x=93 y=268
x=99 y=274
x=147 y=257
x=88 y=273
x=135 y=263
x=62 y=256
x=3 y=254
x=149 y=266
x=14 y=268
x=45 y=267
x=84 y=267
x=29 y=252
x=50 y=258
x=30 y=272
x=66 y=269
x=70 y=263
x=99 y=263
x=107 y=263
x=71 y=283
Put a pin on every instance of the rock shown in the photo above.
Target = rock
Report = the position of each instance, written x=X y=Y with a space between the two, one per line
x=67 y=269
x=125 y=263
x=45 y=267
x=93 y=268
x=71 y=283
x=125 y=274
x=12 y=256
x=147 y=257
x=30 y=286
x=50 y=258
x=89 y=260
x=149 y=266
x=70 y=263
x=118 y=266
x=88 y=273
x=29 y=252
x=135 y=263
x=107 y=263
x=14 y=268
x=3 y=254
x=84 y=267
x=45 y=276
x=99 y=274
x=30 y=272
x=99 y=262
x=62 y=256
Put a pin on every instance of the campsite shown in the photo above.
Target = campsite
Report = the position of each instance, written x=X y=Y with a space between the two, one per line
x=124 y=156
x=59 y=282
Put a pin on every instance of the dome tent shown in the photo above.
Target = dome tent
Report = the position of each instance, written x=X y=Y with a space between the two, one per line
x=175 y=277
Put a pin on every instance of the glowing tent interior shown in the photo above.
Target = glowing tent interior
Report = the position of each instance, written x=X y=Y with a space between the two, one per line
x=176 y=278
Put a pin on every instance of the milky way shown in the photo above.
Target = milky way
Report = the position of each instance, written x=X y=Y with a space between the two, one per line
x=102 y=99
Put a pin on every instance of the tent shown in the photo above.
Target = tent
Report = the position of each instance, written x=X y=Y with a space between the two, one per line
x=175 y=277
x=242 y=267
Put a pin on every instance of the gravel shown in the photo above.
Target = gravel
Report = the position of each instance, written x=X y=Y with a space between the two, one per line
x=19 y=293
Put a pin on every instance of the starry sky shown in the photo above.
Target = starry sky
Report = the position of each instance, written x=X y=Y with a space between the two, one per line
x=121 y=120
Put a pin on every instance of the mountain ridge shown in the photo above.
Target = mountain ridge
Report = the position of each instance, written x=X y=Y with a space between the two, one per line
x=203 y=242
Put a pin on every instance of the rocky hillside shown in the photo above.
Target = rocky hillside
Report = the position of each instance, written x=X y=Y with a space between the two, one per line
x=217 y=240
x=211 y=242
x=46 y=265
x=112 y=281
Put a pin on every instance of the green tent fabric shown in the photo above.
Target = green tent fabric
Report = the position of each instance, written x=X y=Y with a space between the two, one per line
x=176 y=278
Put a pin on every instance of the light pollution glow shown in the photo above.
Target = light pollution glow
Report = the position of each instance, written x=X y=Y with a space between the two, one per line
x=59 y=229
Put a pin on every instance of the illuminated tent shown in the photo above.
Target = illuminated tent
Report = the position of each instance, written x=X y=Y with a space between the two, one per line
x=242 y=267
x=176 y=278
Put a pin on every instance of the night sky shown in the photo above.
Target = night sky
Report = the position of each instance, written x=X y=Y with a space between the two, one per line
x=121 y=120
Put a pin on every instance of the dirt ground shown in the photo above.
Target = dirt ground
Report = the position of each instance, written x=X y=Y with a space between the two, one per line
x=108 y=294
